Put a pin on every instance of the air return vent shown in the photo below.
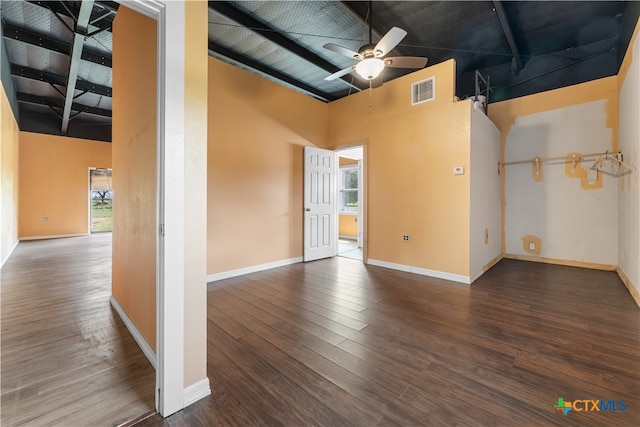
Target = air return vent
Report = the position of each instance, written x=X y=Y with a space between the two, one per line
x=423 y=91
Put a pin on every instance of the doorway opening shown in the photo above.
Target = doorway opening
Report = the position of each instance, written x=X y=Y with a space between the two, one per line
x=100 y=201
x=350 y=202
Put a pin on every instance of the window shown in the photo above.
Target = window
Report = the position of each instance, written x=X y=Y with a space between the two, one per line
x=349 y=189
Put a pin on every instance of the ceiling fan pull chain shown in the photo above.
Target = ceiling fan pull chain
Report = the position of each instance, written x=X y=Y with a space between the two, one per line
x=370 y=96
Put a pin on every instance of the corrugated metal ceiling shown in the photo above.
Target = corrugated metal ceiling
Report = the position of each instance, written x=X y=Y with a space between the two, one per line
x=523 y=46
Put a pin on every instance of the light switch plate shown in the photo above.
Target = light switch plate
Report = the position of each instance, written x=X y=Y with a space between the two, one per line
x=458 y=170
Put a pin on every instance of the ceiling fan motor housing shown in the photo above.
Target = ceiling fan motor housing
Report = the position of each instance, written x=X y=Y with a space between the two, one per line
x=369 y=51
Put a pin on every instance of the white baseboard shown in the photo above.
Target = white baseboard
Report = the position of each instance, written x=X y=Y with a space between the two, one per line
x=476 y=276
x=252 y=269
x=55 y=236
x=196 y=391
x=557 y=261
x=15 y=245
x=627 y=283
x=486 y=268
x=137 y=336
x=422 y=271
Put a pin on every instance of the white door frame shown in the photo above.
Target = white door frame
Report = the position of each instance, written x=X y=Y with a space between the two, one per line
x=170 y=17
x=362 y=199
x=90 y=219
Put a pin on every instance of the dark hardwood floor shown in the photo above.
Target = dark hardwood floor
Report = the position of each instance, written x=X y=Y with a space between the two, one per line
x=337 y=343
x=66 y=357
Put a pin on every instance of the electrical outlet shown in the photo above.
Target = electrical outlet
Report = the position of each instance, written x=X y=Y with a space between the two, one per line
x=405 y=237
x=45 y=219
x=486 y=236
x=532 y=246
x=458 y=170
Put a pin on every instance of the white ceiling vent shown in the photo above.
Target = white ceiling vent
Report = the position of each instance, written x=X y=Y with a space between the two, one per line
x=423 y=91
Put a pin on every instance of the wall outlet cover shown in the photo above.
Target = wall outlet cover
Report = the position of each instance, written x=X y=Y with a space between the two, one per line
x=458 y=170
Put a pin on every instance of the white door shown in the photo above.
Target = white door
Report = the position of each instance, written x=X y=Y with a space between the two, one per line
x=320 y=213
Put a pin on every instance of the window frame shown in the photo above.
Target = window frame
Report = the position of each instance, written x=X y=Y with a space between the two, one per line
x=342 y=190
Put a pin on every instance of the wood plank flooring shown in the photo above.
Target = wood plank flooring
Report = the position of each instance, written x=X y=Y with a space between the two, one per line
x=66 y=357
x=338 y=343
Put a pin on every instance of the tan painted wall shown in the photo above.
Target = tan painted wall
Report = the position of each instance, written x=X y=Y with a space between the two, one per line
x=195 y=291
x=134 y=169
x=344 y=161
x=257 y=130
x=574 y=221
x=504 y=113
x=411 y=155
x=9 y=137
x=54 y=183
x=348 y=225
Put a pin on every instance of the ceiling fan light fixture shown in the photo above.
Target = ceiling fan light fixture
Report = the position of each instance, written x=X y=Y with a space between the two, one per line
x=370 y=68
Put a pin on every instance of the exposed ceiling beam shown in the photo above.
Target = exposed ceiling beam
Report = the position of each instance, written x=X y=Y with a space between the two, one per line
x=56 y=79
x=58 y=103
x=270 y=72
x=58 y=17
x=81 y=27
x=12 y=32
x=109 y=5
x=516 y=61
x=349 y=9
x=278 y=38
x=104 y=24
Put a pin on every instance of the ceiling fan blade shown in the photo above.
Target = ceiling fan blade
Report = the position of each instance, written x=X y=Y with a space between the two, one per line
x=342 y=50
x=340 y=73
x=405 y=62
x=389 y=41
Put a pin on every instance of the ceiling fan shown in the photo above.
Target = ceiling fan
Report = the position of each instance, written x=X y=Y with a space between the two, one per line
x=370 y=56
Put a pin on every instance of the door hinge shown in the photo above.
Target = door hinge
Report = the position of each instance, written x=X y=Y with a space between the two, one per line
x=162 y=230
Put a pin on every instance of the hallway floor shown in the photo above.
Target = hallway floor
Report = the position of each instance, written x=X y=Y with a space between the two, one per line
x=66 y=357
x=349 y=249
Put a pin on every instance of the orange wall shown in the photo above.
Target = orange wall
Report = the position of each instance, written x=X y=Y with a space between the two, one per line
x=9 y=137
x=410 y=185
x=504 y=113
x=344 y=161
x=257 y=130
x=134 y=169
x=348 y=225
x=54 y=183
